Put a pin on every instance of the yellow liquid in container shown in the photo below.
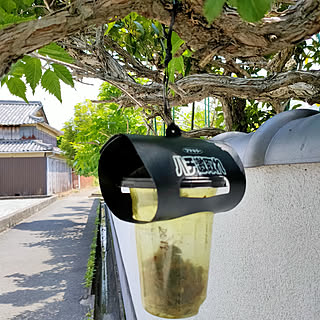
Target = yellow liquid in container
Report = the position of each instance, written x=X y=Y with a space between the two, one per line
x=173 y=255
x=144 y=203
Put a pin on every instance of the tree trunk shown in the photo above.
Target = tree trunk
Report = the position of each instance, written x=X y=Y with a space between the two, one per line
x=234 y=114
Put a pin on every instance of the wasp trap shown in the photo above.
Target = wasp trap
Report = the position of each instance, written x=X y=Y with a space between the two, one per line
x=170 y=187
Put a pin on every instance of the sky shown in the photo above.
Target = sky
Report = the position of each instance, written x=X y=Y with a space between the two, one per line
x=56 y=112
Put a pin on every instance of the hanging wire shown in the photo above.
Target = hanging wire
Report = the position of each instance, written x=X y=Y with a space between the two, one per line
x=173 y=129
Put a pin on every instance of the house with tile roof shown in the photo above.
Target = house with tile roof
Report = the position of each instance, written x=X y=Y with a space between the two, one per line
x=30 y=161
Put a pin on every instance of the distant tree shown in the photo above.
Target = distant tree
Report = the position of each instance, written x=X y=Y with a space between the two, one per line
x=92 y=125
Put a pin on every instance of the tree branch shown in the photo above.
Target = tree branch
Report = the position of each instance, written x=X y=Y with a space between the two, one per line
x=227 y=36
x=131 y=63
x=301 y=85
x=203 y=132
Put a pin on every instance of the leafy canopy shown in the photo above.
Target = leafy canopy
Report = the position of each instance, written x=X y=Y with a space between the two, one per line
x=92 y=126
x=15 y=11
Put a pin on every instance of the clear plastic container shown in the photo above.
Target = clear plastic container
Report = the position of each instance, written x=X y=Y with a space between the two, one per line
x=173 y=255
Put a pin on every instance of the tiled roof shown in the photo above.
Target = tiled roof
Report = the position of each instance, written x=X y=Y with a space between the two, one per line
x=14 y=146
x=19 y=112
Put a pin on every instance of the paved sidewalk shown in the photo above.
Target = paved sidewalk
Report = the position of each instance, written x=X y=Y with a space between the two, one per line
x=9 y=206
x=13 y=211
x=43 y=261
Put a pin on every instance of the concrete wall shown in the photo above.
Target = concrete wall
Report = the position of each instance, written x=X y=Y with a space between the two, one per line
x=265 y=253
x=81 y=182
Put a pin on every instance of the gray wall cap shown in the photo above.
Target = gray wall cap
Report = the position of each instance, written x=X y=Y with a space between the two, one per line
x=237 y=140
x=289 y=137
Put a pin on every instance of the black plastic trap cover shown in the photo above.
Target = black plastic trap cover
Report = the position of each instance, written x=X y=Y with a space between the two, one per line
x=169 y=163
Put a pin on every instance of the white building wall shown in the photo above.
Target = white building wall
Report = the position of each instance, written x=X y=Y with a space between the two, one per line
x=9 y=132
x=265 y=253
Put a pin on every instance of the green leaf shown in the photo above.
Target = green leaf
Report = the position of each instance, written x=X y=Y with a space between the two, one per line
x=179 y=64
x=253 y=10
x=133 y=15
x=4 y=80
x=110 y=26
x=171 y=71
x=232 y=3
x=187 y=53
x=155 y=29
x=139 y=27
x=17 y=70
x=50 y=82
x=19 y=5
x=296 y=106
x=7 y=19
x=63 y=73
x=56 y=52
x=219 y=121
x=176 y=64
x=8 y=5
x=33 y=72
x=28 y=2
x=212 y=9
x=17 y=87
x=176 y=42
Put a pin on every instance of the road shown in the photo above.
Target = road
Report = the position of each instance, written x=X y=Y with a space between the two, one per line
x=43 y=261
